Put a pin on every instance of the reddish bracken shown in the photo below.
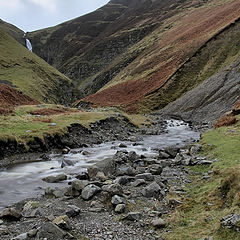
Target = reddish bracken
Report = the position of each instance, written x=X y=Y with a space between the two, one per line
x=226 y=120
x=10 y=97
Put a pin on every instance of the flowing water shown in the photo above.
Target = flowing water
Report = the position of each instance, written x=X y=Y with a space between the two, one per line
x=25 y=180
x=28 y=45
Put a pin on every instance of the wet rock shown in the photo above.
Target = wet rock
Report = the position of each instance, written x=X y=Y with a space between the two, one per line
x=66 y=162
x=89 y=191
x=231 y=221
x=50 y=231
x=120 y=208
x=66 y=150
x=32 y=233
x=120 y=157
x=73 y=211
x=163 y=155
x=10 y=214
x=158 y=223
x=1 y=222
x=155 y=169
x=118 y=200
x=172 y=151
x=122 y=145
x=133 y=216
x=55 y=179
x=113 y=189
x=138 y=182
x=63 y=222
x=22 y=236
x=79 y=185
x=132 y=156
x=152 y=190
x=82 y=176
x=145 y=176
x=107 y=166
x=85 y=153
x=125 y=170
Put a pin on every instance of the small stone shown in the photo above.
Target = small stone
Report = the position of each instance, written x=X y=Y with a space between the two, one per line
x=145 y=176
x=66 y=150
x=122 y=145
x=82 y=176
x=89 y=191
x=63 y=222
x=118 y=200
x=120 y=208
x=138 y=182
x=133 y=216
x=1 y=222
x=10 y=214
x=101 y=176
x=125 y=170
x=155 y=169
x=72 y=211
x=32 y=233
x=159 y=223
x=163 y=155
x=85 y=153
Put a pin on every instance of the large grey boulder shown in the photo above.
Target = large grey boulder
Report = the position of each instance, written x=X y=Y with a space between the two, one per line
x=107 y=166
x=89 y=191
x=55 y=179
x=152 y=190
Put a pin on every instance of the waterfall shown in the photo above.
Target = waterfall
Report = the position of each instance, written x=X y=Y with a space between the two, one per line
x=28 y=45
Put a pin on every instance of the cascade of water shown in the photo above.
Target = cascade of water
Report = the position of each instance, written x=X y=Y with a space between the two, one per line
x=28 y=45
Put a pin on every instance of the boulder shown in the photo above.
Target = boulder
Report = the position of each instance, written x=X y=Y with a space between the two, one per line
x=125 y=170
x=63 y=222
x=152 y=190
x=89 y=191
x=158 y=223
x=113 y=189
x=120 y=208
x=107 y=166
x=138 y=182
x=66 y=162
x=55 y=179
x=79 y=185
x=72 y=211
x=155 y=169
x=133 y=216
x=50 y=231
x=118 y=200
x=163 y=155
x=10 y=214
x=82 y=176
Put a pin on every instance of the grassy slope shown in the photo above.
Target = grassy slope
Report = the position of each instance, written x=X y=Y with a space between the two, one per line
x=32 y=75
x=174 y=42
x=24 y=126
x=214 y=198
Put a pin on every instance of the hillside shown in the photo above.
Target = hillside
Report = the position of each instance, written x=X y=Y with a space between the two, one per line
x=12 y=30
x=142 y=56
x=30 y=74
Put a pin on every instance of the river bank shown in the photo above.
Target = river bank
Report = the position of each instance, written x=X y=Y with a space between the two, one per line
x=140 y=189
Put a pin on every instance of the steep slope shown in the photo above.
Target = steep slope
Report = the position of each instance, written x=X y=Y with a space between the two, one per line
x=12 y=30
x=210 y=100
x=133 y=54
x=30 y=74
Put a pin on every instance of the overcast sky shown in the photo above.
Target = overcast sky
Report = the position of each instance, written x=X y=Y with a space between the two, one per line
x=30 y=15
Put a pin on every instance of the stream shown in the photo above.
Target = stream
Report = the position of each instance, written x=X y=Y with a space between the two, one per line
x=25 y=180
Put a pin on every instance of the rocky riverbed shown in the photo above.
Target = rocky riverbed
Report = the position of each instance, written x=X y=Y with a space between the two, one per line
x=123 y=195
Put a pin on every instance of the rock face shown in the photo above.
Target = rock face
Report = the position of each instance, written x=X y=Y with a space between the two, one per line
x=128 y=52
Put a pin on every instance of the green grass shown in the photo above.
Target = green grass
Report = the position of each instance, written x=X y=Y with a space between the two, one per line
x=204 y=198
x=24 y=126
x=31 y=74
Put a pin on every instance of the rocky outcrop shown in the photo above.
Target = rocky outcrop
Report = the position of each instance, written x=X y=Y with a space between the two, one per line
x=210 y=100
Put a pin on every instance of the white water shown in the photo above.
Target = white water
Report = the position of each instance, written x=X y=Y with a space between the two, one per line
x=29 y=45
x=24 y=180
